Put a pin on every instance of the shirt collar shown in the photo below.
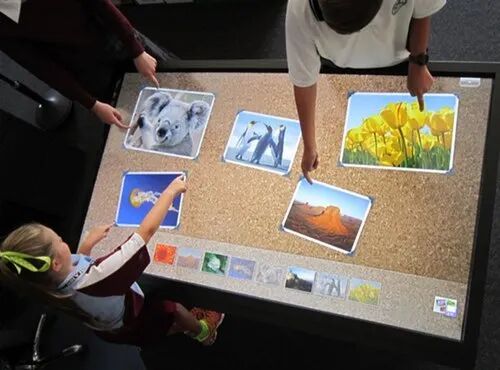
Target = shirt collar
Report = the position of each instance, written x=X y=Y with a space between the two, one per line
x=81 y=264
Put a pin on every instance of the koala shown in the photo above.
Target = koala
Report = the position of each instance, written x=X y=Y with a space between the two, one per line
x=166 y=123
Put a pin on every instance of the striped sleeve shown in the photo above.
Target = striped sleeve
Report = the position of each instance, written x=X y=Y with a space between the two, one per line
x=114 y=273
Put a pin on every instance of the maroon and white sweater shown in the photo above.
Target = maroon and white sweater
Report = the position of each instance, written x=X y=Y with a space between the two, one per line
x=106 y=288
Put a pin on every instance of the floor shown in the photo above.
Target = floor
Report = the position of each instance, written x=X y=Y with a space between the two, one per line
x=59 y=167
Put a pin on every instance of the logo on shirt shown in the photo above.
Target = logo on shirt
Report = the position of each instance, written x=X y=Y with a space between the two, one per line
x=398 y=5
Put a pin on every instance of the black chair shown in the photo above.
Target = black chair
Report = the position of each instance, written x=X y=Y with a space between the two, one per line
x=18 y=349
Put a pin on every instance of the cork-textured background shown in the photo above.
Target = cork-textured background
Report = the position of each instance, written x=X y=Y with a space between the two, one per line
x=420 y=223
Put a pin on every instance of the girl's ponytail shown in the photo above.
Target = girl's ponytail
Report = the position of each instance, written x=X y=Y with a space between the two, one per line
x=25 y=259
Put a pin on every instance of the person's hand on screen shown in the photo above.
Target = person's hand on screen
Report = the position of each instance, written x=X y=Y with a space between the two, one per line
x=98 y=233
x=419 y=82
x=178 y=186
x=146 y=66
x=310 y=161
x=108 y=114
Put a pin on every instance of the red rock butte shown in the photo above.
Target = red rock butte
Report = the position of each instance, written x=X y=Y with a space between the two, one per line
x=330 y=221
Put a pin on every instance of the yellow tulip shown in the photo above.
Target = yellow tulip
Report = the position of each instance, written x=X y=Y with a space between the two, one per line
x=396 y=115
x=406 y=130
x=449 y=117
x=356 y=135
x=416 y=118
x=373 y=146
x=349 y=144
x=392 y=155
x=428 y=142
x=439 y=123
x=375 y=125
x=393 y=159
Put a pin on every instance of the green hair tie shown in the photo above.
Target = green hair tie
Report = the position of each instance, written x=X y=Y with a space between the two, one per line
x=19 y=260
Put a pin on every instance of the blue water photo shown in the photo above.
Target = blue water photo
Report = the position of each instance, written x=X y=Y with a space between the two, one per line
x=139 y=193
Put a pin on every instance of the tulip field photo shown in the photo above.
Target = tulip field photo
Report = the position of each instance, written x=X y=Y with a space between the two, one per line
x=388 y=130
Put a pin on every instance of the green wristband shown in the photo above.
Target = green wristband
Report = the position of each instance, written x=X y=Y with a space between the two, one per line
x=205 y=331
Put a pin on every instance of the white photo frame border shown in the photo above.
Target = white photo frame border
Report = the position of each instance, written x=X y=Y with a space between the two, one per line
x=133 y=119
x=356 y=240
x=452 y=152
x=125 y=174
x=259 y=167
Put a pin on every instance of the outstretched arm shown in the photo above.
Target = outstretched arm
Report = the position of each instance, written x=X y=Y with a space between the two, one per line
x=154 y=218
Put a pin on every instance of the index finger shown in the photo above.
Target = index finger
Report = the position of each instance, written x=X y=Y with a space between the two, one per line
x=154 y=80
x=121 y=125
x=307 y=177
x=109 y=226
x=118 y=123
x=420 y=98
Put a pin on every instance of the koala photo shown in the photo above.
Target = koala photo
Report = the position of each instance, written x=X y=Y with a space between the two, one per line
x=170 y=122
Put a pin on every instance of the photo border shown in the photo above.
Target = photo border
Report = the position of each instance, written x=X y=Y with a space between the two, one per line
x=133 y=119
x=125 y=174
x=356 y=240
x=258 y=167
x=452 y=153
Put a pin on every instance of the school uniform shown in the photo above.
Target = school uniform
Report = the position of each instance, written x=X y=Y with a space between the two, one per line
x=106 y=289
x=382 y=43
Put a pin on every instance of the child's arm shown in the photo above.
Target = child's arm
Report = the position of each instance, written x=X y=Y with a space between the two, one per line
x=419 y=78
x=93 y=237
x=114 y=273
x=154 y=218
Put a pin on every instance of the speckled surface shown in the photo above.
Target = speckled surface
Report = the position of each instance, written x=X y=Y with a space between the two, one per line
x=398 y=305
x=420 y=224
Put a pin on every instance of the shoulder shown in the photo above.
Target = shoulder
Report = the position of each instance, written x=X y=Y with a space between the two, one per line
x=299 y=15
x=426 y=8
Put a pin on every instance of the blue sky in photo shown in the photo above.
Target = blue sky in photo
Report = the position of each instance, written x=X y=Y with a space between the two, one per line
x=187 y=252
x=365 y=105
x=321 y=195
x=291 y=136
x=303 y=274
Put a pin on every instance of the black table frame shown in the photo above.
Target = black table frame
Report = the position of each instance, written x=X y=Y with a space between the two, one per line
x=454 y=353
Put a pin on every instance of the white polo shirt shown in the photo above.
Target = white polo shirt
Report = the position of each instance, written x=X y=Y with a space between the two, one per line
x=381 y=43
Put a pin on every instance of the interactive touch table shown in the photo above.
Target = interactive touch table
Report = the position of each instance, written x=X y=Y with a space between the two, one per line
x=412 y=268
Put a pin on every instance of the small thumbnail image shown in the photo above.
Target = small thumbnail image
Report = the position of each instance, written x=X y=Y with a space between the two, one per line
x=300 y=279
x=215 y=263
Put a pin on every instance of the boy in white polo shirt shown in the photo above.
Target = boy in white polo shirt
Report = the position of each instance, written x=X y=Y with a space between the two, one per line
x=354 y=34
